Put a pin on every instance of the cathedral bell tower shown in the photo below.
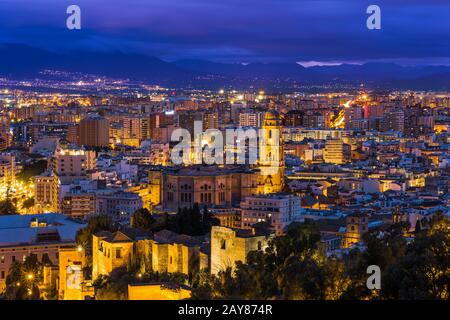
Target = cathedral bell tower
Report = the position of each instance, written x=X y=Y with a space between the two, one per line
x=271 y=154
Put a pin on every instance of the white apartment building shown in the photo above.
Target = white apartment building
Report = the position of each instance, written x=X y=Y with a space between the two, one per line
x=279 y=209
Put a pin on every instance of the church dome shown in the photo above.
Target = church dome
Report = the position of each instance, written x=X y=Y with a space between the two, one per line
x=272 y=114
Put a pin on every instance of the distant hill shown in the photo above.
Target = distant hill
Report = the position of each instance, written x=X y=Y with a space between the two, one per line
x=21 y=61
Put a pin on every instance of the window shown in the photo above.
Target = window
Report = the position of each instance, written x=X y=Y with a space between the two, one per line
x=223 y=244
x=2 y=259
x=13 y=258
x=171 y=260
x=259 y=245
x=118 y=253
x=2 y=275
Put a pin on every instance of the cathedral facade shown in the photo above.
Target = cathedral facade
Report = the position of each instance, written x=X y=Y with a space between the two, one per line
x=171 y=188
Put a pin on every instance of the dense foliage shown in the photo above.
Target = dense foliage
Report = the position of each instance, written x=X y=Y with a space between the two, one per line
x=294 y=266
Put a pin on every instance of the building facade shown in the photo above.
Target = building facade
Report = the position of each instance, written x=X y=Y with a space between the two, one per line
x=279 y=210
x=229 y=246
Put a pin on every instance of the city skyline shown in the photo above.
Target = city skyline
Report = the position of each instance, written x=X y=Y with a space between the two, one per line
x=249 y=151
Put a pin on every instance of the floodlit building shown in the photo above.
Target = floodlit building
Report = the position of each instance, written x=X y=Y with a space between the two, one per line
x=72 y=284
x=158 y=291
x=334 y=152
x=229 y=246
x=166 y=251
x=46 y=188
x=39 y=234
x=94 y=131
x=278 y=209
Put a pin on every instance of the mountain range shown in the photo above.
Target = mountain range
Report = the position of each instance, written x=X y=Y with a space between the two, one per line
x=25 y=62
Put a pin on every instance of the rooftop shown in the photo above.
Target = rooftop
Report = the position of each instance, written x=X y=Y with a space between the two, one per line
x=35 y=228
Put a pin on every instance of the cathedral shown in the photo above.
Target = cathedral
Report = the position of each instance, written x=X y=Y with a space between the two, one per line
x=175 y=187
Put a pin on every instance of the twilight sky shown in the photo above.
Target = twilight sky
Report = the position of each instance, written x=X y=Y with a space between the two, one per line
x=413 y=31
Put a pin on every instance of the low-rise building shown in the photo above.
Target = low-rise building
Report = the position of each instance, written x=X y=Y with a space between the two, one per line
x=165 y=252
x=278 y=209
x=229 y=246
x=39 y=234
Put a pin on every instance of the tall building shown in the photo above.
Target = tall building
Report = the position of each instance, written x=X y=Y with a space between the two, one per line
x=69 y=164
x=46 y=192
x=5 y=135
x=315 y=120
x=352 y=116
x=271 y=154
x=94 y=131
x=279 y=210
x=79 y=204
x=294 y=118
x=73 y=134
x=393 y=120
x=250 y=119
x=7 y=168
x=187 y=121
x=334 y=152
x=210 y=120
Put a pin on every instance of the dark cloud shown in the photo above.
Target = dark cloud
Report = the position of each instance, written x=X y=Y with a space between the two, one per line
x=237 y=30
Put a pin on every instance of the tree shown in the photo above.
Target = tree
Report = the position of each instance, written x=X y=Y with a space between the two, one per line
x=423 y=271
x=7 y=207
x=22 y=282
x=115 y=286
x=193 y=222
x=142 y=219
x=32 y=170
x=291 y=267
x=208 y=220
x=28 y=203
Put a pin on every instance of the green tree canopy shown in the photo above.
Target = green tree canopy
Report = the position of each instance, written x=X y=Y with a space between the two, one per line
x=143 y=219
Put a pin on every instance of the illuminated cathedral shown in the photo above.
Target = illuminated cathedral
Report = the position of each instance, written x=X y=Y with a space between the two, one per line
x=171 y=188
x=271 y=154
